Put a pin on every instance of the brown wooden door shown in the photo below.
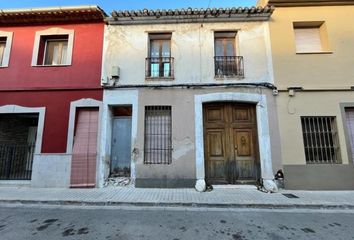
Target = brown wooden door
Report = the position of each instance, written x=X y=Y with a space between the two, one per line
x=230 y=140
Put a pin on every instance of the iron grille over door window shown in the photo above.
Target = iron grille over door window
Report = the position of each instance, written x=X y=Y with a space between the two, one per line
x=320 y=139
x=158 y=135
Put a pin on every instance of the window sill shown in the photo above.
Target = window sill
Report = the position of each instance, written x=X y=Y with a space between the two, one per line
x=4 y=66
x=323 y=52
x=159 y=78
x=59 y=65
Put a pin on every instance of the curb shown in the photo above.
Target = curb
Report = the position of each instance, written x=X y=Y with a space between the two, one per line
x=179 y=204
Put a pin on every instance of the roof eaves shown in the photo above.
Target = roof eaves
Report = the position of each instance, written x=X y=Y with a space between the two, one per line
x=308 y=3
x=190 y=15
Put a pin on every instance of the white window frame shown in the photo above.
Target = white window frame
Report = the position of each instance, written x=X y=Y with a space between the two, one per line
x=7 y=50
x=51 y=32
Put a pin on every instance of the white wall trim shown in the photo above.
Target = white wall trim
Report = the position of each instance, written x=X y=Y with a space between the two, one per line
x=7 y=50
x=49 y=32
x=269 y=55
x=41 y=113
x=262 y=127
x=85 y=102
x=116 y=98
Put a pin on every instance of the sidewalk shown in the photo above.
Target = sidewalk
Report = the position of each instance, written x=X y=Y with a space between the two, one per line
x=219 y=197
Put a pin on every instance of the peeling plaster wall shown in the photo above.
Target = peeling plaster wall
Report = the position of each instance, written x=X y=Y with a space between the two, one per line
x=192 y=46
x=182 y=101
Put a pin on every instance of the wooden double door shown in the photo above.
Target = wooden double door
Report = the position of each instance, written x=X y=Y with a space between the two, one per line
x=230 y=143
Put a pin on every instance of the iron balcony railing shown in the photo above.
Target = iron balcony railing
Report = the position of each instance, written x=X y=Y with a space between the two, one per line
x=159 y=67
x=228 y=66
x=16 y=161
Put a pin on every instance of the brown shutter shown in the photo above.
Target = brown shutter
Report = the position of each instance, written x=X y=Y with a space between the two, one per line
x=349 y=112
x=83 y=164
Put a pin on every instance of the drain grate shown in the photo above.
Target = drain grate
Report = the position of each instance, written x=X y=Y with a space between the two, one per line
x=290 y=195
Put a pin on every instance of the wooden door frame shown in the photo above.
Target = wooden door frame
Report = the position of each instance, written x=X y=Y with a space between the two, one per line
x=265 y=156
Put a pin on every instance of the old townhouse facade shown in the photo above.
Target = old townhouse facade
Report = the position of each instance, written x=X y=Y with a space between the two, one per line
x=312 y=47
x=178 y=98
x=50 y=95
x=188 y=98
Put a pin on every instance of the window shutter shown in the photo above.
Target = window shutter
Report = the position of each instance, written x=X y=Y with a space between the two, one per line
x=349 y=112
x=83 y=164
x=308 y=40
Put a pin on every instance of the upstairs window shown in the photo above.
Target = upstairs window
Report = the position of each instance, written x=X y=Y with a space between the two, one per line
x=225 y=44
x=55 y=50
x=159 y=64
x=227 y=64
x=2 y=48
x=310 y=37
x=5 y=47
x=53 y=47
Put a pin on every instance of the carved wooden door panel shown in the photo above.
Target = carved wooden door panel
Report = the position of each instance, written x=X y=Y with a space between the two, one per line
x=244 y=143
x=230 y=143
x=216 y=135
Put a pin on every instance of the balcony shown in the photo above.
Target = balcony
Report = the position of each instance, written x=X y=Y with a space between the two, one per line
x=159 y=68
x=228 y=66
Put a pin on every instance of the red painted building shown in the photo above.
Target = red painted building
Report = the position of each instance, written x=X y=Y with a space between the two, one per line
x=50 y=70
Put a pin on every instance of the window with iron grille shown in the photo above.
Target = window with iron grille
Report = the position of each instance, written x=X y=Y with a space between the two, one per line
x=320 y=140
x=227 y=64
x=158 y=135
x=159 y=63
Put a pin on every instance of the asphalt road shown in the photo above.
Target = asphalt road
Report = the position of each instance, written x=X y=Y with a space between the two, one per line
x=51 y=223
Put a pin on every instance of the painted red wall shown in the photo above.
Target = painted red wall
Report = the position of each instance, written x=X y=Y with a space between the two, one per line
x=85 y=71
x=57 y=105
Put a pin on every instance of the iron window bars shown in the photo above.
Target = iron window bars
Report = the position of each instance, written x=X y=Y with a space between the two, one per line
x=16 y=161
x=158 y=135
x=159 y=67
x=320 y=140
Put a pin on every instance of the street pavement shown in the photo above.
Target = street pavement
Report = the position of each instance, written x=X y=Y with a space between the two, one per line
x=33 y=222
x=218 y=197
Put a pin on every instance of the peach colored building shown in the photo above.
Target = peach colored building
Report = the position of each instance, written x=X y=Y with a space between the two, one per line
x=312 y=51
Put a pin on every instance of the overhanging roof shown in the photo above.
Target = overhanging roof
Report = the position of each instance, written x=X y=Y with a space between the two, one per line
x=190 y=15
x=51 y=15
x=300 y=3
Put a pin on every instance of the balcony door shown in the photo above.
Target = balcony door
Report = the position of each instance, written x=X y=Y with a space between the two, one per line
x=160 y=55
x=225 y=46
x=226 y=62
